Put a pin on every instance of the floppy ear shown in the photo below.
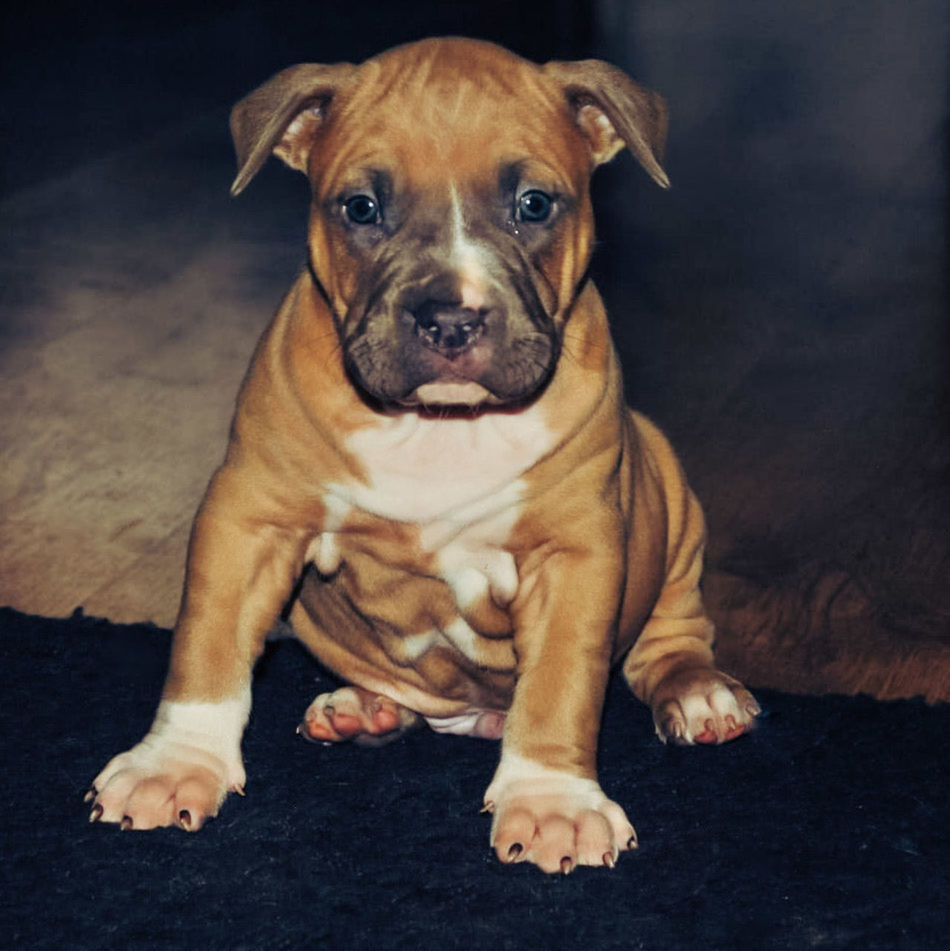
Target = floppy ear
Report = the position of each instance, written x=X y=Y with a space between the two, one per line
x=613 y=111
x=283 y=116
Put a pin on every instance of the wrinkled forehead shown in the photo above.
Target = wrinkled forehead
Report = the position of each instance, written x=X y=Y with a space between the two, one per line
x=441 y=119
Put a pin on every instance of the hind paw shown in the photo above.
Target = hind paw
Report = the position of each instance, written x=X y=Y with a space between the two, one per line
x=702 y=706
x=353 y=713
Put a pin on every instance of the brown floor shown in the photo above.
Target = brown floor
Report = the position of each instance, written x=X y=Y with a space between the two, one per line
x=128 y=324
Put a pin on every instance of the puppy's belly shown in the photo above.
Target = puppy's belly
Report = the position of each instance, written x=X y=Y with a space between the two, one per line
x=407 y=640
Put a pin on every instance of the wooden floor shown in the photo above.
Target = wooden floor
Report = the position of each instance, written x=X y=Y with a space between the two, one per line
x=125 y=337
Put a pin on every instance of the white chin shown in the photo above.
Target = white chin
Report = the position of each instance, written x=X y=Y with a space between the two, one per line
x=449 y=394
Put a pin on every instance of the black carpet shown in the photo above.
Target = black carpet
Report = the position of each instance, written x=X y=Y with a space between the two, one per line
x=826 y=828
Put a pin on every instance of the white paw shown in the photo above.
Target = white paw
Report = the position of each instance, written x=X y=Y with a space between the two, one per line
x=554 y=819
x=180 y=773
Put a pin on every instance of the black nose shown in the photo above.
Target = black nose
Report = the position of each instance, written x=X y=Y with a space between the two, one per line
x=447 y=328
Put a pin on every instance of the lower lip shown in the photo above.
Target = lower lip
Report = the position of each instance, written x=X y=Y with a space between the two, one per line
x=449 y=394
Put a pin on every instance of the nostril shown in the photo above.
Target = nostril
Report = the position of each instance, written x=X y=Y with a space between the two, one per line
x=428 y=326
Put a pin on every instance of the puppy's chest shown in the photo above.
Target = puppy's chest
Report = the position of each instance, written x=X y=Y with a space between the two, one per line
x=439 y=504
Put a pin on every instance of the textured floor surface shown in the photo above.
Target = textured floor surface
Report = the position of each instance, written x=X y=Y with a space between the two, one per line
x=825 y=828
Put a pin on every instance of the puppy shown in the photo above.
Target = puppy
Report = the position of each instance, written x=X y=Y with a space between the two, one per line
x=431 y=466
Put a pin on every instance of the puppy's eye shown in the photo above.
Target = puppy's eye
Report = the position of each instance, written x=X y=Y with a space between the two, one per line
x=362 y=210
x=535 y=206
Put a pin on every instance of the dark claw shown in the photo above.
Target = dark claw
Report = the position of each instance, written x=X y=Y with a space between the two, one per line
x=488 y=807
x=567 y=865
x=609 y=860
x=674 y=730
x=515 y=851
x=96 y=813
x=633 y=842
x=89 y=794
x=125 y=824
x=184 y=818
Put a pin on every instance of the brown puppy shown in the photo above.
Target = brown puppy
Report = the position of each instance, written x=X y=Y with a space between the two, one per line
x=432 y=458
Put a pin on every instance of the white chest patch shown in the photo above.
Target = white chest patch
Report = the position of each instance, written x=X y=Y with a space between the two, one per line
x=424 y=470
x=460 y=481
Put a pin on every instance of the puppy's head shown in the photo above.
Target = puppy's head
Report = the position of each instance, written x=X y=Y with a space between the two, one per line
x=450 y=227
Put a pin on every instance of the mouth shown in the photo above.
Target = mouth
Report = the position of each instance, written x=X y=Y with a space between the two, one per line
x=447 y=393
x=450 y=393
x=406 y=377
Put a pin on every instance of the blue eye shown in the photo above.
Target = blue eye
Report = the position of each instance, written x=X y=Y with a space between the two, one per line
x=362 y=210
x=535 y=206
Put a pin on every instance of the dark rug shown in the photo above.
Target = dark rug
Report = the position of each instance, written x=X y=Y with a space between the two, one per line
x=826 y=828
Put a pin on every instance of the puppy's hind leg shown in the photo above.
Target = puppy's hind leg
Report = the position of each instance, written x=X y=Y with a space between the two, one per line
x=670 y=666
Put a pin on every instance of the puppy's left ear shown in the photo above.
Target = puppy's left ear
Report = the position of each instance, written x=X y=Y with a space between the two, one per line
x=613 y=111
x=283 y=117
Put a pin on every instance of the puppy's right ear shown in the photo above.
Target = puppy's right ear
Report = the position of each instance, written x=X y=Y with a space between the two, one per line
x=283 y=117
x=612 y=111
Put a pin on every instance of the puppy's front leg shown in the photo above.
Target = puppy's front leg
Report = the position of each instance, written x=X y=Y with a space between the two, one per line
x=548 y=807
x=241 y=569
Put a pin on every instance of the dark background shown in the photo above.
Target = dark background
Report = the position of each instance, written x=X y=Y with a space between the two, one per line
x=781 y=310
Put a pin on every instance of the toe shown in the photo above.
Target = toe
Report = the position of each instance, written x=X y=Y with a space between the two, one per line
x=735 y=729
x=318 y=732
x=345 y=724
x=554 y=848
x=194 y=803
x=594 y=838
x=109 y=805
x=708 y=733
x=150 y=803
x=383 y=716
x=513 y=835
x=317 y=724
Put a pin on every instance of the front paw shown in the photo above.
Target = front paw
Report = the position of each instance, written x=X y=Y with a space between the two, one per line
x=702 y=705
x=554 y=819
x=179 y=774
